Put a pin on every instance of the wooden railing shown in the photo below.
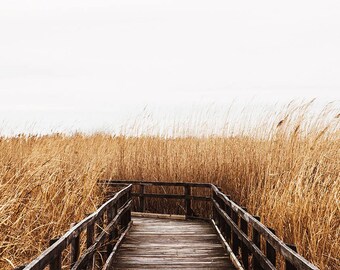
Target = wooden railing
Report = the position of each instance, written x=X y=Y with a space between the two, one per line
x=252 y=243
x=249 y=239
x=103 y=229
x=244 y=236
x=185 y=194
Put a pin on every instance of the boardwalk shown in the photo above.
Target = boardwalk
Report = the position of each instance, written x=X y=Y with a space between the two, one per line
x=114 y=241
x=168 y=244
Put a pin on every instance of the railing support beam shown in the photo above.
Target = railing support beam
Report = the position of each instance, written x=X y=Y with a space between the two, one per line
x=56 y=262
x=188 y=209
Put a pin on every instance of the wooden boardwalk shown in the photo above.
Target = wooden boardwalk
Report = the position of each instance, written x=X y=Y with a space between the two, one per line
x=167 y=244
x=112 y=241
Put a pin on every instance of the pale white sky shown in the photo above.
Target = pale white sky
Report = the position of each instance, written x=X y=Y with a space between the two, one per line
x=88 y=65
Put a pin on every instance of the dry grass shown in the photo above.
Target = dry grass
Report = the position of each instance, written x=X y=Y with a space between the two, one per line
x=286 y=171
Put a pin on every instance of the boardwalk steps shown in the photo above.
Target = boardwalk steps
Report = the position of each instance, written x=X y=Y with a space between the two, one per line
x=154 y=243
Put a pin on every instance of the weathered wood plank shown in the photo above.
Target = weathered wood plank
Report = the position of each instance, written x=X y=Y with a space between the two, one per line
x=154 y=183
x=155 y=215
x=167 y=244
x=170 y=196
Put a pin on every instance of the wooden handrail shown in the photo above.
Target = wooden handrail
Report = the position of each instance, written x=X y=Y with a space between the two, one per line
x=289 y=255
x=55 y=250
x=82 y=262
x=154 y=183
x=233 y=221
x=141 y=195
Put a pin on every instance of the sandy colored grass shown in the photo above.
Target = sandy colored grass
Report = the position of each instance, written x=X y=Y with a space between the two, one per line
x=286 y=171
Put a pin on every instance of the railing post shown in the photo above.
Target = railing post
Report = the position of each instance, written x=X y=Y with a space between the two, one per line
x=244 y=249
x=110 y=216
x=257 y=242
x=99 y=229
x=214 y=217
x=124 y=220
x=75 y=248
x=235 y=246
x=219 y=216
x=115 y=230
x=100 y=224
x=228 y=229
x=129 y=210
x=188 y=210
x=89 y=241
x=270 y=251
x=124 y=217
x=290 y=266
x=55 y=264
x=89 y=234
x=141 y=198
x=224 y=223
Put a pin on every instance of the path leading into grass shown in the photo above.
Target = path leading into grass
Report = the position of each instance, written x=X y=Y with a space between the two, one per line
x=167 y=244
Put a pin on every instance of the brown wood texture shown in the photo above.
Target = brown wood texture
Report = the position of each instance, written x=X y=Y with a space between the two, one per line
x=52 y=256
x=275 y=243
x=233 y=222
x=109 y=261
x=88 y=254
x=154 y=183
x=168 y=244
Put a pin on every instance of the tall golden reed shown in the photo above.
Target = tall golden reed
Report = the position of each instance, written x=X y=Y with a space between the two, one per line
x=285 y=170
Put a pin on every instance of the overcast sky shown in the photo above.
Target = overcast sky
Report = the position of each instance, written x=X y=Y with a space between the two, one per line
x=90 y=65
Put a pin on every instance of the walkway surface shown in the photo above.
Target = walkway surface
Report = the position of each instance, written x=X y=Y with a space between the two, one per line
x=154 y=243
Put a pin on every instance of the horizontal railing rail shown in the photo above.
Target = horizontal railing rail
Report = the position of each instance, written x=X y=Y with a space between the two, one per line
x=186 y=196
x=235 y=224
x=256 y=246
x=102 y=228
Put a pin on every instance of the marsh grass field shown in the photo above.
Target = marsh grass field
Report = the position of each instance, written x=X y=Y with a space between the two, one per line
x=285 y=170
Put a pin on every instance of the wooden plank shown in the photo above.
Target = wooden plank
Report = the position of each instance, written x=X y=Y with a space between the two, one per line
x=154 y=215
x=177 y=255
x=170 y=196
x=163 y=243
x=154 y=183
x=173 y=265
